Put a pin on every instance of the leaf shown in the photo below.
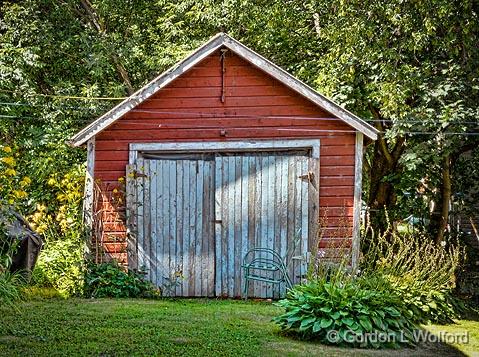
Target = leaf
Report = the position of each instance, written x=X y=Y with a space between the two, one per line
x=326 y=309
x=365 y=322
x=325 y=323
x=317 y=326
x=348 y=321
x=306 y=323
x=335 y=315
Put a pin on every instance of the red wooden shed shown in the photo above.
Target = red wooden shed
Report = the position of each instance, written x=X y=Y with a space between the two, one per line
x=223 y=152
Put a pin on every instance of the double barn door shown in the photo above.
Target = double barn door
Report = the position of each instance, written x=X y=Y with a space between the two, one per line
x=193 y=217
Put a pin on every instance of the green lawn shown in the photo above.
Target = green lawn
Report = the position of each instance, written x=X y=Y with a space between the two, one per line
x=170 y=327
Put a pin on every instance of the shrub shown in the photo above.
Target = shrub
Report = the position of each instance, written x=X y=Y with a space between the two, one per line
x=421 y=272
x=342 y=313
x=111 y=280
x=61 y=266
x=61 y=261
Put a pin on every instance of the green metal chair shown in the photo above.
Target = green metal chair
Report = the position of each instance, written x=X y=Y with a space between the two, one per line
x=259 y=260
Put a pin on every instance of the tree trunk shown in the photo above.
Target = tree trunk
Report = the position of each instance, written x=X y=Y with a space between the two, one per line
x=445 y=199
x=384 y=163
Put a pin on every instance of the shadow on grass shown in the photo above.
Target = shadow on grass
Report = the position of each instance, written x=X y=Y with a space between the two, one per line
x=429 y=344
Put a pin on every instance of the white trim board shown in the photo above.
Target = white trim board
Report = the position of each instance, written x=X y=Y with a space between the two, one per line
x=358 y=179
x=216 y=42
x=222 y=146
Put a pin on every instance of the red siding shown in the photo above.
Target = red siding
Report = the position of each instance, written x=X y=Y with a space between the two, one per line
x=256 y=107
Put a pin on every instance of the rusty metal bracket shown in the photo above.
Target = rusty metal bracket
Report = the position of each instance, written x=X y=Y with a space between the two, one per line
x=307 y=177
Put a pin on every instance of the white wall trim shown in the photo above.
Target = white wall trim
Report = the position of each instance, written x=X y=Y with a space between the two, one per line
x=358 y=175
x=88 y=198
x=222 y=146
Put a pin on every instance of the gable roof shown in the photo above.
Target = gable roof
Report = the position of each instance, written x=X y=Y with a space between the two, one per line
x=216 y=42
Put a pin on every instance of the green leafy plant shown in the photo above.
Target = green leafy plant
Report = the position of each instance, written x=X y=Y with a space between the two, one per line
x=421 y=272
x=10 y=283
x=344 y=313
x=61 y=261
x=111 y=280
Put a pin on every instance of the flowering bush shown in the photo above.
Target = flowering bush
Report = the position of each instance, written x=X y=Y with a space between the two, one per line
x=61 y=262
x=12 y=183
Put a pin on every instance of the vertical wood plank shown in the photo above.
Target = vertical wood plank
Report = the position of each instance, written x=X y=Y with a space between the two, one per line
x=141 y=237
x=231 y=225
x=89 y=192
x=358 y=174
x=313 y=199
x=147 y=220
x=180 y=252
x=260 y=232
x=186 y=227
x=171 y=217
x=219 y=199
x=244 y=219
x=303 y=162
x=199 y=197
x=283 y=213
x=277 y=178
x=160 y=222
x=153 y=223
x=252 y=208
x=237 y=227
x=131 y=216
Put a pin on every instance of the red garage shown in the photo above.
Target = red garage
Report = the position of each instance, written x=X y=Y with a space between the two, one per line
x=223 y=152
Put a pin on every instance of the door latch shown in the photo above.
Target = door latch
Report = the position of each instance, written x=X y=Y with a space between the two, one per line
x=307 y=177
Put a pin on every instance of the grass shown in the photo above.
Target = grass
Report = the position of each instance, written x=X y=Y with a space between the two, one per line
x=200 y=327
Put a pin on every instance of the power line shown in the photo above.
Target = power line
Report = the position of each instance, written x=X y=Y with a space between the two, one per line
x=216 y=115
x=66 y=96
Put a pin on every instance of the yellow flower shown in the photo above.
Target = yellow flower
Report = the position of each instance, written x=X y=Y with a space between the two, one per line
x=20 y=193
x=27 y=180
x=10 y=172
x=7 y=149
x=121 y=179
x=9 y=160
x=51 y=181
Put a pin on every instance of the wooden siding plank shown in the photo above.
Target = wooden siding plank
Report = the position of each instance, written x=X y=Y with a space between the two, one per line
x=186 y=227
x=304 y=164
x=141 y=237
x=283 y=213
x=253 y=207
x=219 y=199
x=131 y=217
x=199 y=235
x=231 y=225
x=153 y=219
x=245 y=222
x=179 y=231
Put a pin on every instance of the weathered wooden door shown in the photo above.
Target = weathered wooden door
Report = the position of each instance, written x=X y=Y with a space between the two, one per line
x=197 y=215
x=261 y=200
x=171 y=211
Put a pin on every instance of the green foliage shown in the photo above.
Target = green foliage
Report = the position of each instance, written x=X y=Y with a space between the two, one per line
x=11 y=285
x=344 y=313
x=111 y=280
x=60 y=266
x=61 y=261
x=421 y=272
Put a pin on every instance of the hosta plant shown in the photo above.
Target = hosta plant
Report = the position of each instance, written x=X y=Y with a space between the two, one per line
x=346 y=314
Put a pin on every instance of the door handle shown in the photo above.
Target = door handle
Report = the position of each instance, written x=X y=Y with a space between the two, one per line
x=219 y=221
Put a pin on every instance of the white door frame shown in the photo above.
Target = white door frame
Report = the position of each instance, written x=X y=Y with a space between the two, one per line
x=222 y=146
